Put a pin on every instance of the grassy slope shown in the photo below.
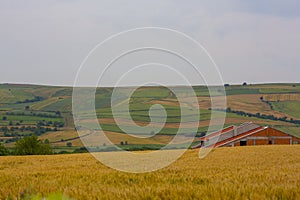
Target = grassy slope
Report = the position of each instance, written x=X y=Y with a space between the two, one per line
x=291 y=108
x=264 y=172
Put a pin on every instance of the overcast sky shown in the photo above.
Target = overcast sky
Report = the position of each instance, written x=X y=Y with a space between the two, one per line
x=44 y=42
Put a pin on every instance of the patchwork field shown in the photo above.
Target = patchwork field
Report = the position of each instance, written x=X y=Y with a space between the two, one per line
x=261 y=172
x=278 y=100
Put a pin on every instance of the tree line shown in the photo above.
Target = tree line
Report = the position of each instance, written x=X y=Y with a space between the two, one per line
x=56 y=115
x=35 y=99
x=261 y=116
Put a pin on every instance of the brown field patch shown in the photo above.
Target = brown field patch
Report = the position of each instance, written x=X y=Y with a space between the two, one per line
x=281 y=97
x=116 y=138
x=59 y=135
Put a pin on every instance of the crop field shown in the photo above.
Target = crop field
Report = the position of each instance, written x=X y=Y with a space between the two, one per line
x=14 y=95
x=281 y=97
x=284 y=88
x=63 y=104
x=280 y=90
x=261 y=172
x=42 y=104
x=59 y=136
x=291 y=108
x=283 y=102
x=27 y=120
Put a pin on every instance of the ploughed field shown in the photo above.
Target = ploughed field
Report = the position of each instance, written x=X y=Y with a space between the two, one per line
x=258 y=172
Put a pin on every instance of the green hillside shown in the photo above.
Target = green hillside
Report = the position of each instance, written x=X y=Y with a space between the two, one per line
x=46 y=111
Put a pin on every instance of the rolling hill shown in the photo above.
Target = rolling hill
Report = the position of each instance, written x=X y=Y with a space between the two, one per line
x=47 y=112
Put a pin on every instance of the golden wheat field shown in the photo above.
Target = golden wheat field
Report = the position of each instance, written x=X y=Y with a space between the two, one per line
x=260 y=172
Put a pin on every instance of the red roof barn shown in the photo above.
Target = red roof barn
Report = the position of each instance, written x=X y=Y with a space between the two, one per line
x=247 y=134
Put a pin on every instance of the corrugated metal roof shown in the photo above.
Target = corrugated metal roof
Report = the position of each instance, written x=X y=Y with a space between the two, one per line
x=229 y=134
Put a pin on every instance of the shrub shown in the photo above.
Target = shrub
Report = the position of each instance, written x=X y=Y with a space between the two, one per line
x=3 y=150
x=81 y=150
x=69 y=144
x=32 y=146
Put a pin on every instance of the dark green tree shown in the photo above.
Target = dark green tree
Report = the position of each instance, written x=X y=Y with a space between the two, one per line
x=3 y=150
x=262 y=98
x=69 y=144
x=31 y=145
x=46 y=141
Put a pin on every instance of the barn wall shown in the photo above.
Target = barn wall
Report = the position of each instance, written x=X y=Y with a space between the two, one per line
x=237 y=144
x=270 y=132
x=262 y=142
x=267 y=136
x=250 y=142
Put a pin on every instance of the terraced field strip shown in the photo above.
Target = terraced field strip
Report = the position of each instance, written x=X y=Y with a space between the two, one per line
x=42 y=104
x=281 y=97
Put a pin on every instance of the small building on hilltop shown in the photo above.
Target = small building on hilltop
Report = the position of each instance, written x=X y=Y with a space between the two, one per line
x=247 y=134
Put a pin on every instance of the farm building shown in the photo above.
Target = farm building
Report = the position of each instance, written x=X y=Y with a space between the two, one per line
x=247 y=134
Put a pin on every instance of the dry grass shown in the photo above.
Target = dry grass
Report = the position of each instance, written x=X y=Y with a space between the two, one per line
x=264 y=172
x=205 y=123
x=282 y=97
x=59 y=135
x=114 y=137
x=248 y=103
x=245 y=102
x=142 y=123
x=40 y=105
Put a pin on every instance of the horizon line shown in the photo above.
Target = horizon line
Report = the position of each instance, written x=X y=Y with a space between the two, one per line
x=171 y=85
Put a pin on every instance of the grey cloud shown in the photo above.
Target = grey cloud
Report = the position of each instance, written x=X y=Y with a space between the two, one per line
x=45 y=41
